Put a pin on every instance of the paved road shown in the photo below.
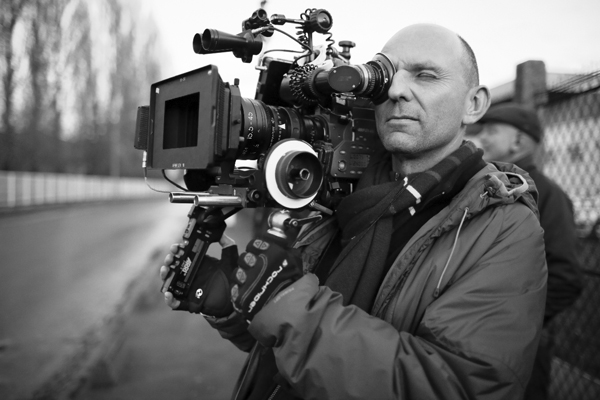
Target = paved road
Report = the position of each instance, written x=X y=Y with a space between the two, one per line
x=172 y=354
x=64 y=273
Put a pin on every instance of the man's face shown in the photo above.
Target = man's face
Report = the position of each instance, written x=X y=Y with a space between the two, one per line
x=498 y=141
x=427 y=98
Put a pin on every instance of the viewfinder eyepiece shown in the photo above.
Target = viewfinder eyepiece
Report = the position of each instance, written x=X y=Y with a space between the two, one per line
x=319 y=21
x=243 y=45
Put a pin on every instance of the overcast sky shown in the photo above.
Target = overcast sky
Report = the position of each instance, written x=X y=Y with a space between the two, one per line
x=563 y=33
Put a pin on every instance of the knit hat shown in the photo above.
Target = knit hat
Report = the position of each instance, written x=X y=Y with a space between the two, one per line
x=521 y=117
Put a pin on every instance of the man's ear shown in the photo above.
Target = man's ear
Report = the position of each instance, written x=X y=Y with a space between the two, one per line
x=477 y=103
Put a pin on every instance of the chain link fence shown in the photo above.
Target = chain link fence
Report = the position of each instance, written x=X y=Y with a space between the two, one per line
x=571 y=119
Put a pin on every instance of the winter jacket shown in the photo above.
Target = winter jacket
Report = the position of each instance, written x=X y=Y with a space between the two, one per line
x=565 y=280
x=458 y=315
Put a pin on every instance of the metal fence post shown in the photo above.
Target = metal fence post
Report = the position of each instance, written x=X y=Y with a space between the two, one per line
x=531 y=90
x=530 y=84
x=11 y=193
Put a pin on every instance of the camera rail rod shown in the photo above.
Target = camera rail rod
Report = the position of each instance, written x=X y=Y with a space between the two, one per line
x=205 y=199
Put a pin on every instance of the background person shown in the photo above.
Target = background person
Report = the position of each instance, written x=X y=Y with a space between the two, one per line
x=409 y=291
x=512 y=133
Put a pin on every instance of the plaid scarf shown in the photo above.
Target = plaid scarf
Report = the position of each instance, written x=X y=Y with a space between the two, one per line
x=366 y=220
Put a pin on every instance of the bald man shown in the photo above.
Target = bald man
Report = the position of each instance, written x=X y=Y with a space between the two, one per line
x=428 y=282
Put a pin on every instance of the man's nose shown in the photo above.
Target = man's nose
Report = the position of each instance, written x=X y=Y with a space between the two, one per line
x=400 y=88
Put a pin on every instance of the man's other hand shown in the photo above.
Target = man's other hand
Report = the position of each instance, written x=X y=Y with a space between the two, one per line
x=266 y=268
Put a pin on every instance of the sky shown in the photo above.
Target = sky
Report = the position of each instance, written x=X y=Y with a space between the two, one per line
x=563 y=33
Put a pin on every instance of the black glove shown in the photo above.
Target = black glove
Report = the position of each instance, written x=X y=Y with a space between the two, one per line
x=210 y=291
x=266 y=268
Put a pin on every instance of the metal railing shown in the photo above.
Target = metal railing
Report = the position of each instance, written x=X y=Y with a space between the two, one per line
x=22 y=189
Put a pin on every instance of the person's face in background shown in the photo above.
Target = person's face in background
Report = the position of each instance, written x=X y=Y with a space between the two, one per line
x=499 y=141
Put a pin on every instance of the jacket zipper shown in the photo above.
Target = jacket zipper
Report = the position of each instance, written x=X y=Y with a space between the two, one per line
x=272 y=396
x=245 y=373
x=436 y=293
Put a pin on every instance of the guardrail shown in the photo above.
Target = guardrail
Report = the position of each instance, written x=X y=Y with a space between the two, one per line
x=18 y=189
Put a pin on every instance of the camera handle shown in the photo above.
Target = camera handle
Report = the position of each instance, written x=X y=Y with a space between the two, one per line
x=205 y=226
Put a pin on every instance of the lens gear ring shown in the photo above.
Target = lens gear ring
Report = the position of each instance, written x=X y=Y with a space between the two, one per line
x=297 y=77
x=271 y=168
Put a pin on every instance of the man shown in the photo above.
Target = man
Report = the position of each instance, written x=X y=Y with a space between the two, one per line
x=411 y=290
x=512 y=133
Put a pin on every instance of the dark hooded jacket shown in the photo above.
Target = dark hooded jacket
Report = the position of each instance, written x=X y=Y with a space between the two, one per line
x=565 y=278
x=458 y=315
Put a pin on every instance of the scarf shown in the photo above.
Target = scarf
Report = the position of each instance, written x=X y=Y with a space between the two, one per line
x=366 y=221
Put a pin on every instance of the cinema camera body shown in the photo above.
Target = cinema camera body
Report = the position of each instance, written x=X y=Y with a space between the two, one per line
x=310 y=128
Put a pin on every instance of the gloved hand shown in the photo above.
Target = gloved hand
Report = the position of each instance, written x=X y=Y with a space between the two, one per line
x=266 y=268
x=210 y=290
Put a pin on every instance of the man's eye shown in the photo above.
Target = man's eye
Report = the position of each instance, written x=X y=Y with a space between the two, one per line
x=427 y=75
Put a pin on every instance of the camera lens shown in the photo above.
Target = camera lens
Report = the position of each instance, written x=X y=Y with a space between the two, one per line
x=371 y=80
x=383 y=71
x=264 y=125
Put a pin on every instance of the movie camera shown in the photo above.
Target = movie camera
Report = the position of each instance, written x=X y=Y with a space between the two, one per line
x=310 y=128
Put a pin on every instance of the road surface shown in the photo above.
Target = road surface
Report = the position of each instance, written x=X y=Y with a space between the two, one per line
x=67 y=270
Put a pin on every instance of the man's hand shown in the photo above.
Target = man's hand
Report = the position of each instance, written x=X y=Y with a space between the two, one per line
x=213 y=277
x=266 y=268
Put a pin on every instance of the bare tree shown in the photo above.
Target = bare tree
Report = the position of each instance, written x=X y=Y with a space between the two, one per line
x=41 y=136
x=10 y=12
x=79 y=73
x=135 y=68
x=86 y=142
x=136 y=90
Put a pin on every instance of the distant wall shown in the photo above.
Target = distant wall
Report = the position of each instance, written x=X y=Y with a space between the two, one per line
x=21 y=189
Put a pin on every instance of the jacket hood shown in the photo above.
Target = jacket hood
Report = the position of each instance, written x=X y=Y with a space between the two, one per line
x=499 y=183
